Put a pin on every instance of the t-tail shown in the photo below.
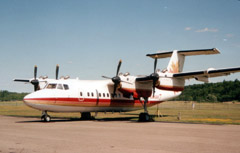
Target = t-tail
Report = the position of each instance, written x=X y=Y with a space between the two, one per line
x=177 y=59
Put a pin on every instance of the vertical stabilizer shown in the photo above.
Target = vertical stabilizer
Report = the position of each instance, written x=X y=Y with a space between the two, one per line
x=176 y=62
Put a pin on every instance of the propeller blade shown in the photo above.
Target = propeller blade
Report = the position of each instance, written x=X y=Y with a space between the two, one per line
x=35 y=72
x=155 y=65
x=36 y=87
x=57 y=71
x=126 y=82
x=154 y=84
x=106 y=77
x=154 y=76
x=118 y=68
x=114 y=90
x=22 y=80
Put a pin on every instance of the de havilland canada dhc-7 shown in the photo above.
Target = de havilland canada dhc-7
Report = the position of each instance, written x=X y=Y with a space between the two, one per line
x=120 y=93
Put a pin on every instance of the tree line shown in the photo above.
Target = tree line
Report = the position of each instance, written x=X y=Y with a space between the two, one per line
x=11 y=96
x=212 y=92
x=208 y=92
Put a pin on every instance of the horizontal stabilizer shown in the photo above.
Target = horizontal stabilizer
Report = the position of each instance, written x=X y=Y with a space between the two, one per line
x=199 y=75
x=185 y=53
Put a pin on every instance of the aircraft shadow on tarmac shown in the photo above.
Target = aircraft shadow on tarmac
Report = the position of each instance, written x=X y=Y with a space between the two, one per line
x=105 y=119
x=131 y=119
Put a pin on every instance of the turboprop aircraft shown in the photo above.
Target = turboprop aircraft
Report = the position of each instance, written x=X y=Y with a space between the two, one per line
x=120 y=93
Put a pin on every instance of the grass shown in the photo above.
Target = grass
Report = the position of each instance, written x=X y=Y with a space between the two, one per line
x=208 y=113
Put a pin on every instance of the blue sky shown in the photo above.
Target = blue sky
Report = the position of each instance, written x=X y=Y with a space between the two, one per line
x=87 y=38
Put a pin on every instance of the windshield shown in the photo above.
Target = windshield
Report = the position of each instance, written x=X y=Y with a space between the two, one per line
x=51 y=86
x=57 y=86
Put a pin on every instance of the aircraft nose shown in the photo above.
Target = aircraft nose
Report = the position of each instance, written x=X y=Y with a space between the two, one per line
x=27 y=98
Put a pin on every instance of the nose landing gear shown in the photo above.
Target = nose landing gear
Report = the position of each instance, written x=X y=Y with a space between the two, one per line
x=45 y=117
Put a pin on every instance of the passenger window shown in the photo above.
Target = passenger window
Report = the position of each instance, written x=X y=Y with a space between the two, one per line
x=51 y=86
x=103 y=94
x=88 y=94
x=92 y=94
x=99 y=94
x=59 y=86
x=81 y=94
x=107 y=95
x=66 y=87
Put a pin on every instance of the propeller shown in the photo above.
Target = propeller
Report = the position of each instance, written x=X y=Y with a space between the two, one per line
x=57 y=71
x=35 y=81
x=154 y=76
x=116 y=79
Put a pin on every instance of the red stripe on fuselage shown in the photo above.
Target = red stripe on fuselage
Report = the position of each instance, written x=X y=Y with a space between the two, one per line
x=88 y=102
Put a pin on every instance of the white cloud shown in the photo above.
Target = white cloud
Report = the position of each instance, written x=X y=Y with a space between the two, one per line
x=207 y=30
x=188 y=29
x=229 y=35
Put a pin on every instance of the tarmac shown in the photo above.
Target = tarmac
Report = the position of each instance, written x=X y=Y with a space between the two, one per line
x=30 y=135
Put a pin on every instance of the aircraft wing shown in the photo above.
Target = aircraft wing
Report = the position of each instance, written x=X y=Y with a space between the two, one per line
x=204 y=75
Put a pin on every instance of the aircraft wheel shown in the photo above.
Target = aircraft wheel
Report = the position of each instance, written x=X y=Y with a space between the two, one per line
x=47 y=118
x=144 y=117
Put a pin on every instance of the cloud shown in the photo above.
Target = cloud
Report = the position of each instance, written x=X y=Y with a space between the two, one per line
x=188 y=29
x=229 y=35
x=207 y=30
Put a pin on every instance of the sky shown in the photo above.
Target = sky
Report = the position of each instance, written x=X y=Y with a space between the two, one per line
x=87 y=38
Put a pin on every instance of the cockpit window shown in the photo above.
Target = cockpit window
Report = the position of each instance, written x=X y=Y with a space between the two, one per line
x=51 y=86
x=66 y=87
x=59 y=86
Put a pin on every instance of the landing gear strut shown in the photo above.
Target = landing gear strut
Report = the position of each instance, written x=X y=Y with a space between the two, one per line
x=45 y=117
x=145 y=117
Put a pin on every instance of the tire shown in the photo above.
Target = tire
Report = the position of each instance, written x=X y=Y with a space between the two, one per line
x=144 y=117
x=47 y=118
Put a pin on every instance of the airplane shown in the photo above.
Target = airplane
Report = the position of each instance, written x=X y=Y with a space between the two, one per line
x=120 y=93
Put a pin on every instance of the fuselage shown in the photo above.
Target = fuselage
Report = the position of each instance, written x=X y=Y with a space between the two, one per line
x=73 y=95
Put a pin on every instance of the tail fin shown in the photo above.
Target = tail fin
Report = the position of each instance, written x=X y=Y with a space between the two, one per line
x=176 y=62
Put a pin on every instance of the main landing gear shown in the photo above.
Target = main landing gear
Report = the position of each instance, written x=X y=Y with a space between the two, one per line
x=86 y=116
x=145 y=117
x=45 y=117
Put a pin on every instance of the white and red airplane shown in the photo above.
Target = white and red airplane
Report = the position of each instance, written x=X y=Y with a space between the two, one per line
x=120 y=93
